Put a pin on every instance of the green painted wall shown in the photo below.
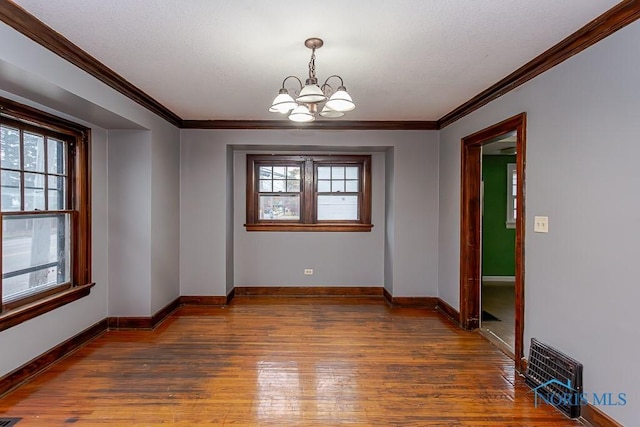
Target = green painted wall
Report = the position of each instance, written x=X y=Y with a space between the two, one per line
x=498 y=241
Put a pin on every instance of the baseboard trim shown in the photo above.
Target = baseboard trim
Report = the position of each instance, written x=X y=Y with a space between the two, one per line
x=31 y=369
x=443 y=307
x=387 y=296
x=422 y=302
x=231 y=295
x=203 y=300
x=507 y=279
x=310 y=291
x=594 y=417
x=124 y=322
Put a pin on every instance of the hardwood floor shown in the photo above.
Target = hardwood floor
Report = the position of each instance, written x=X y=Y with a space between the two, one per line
x=283 y=361
x=499 y=299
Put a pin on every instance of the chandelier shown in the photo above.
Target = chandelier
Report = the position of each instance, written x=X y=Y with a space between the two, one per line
x=311 y=96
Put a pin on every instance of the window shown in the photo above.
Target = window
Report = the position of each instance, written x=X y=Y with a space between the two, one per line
x=512 y=190
x=44 y=211
x=308 y=193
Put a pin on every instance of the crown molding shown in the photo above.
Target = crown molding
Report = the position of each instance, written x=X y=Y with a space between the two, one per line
x=27 y=24
x=621 y=15
x=606 y=24
x=324 y=125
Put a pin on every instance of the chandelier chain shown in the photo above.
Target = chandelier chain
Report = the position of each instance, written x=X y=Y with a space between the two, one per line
x=312 y=64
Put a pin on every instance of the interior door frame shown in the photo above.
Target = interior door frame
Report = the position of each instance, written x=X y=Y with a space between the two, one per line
x=471 y=223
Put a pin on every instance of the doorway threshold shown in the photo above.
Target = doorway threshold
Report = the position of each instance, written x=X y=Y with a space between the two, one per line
x=497 y=341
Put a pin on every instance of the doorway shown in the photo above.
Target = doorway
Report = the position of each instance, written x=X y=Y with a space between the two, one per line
x=498 y=238
x=471 y=227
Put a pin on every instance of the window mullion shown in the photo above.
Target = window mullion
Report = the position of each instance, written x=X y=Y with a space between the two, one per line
x=309 y=192
x=22 y=200
x=46 y=172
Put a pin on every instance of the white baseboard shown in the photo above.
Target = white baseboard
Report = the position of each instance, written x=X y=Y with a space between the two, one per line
x=506 y=279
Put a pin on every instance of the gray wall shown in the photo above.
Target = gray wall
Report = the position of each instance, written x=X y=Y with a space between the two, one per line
x=203 y=214
x=144 y=221
x=582 y=151
x=165 y=217
x=34 y=76
x=337 y=259
x=129 y=223
x=274 y=259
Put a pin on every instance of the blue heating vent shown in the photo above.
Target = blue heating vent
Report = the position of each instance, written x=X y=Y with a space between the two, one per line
x=555 y=378
x=8 y=422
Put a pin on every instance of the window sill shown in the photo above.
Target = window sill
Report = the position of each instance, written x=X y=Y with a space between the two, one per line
x=310 y=227
x=26 y=312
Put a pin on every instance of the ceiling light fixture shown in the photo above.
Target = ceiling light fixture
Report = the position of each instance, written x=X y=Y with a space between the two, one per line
x=311 y=96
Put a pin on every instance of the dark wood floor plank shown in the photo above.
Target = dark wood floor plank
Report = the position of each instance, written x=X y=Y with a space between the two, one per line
x=285 y=362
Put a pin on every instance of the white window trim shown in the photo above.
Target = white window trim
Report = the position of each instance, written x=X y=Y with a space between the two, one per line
x=510 y=211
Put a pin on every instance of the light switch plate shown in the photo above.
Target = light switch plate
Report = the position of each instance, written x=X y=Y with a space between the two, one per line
x=541 y=224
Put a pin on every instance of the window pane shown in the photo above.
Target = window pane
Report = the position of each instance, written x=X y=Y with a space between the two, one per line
x=351 y=172
x=10 y=152
x=266 y=185
x=33 y=152
x=265 y=172
x=293 y=172
x=33 y=191
x=293 y=186
x=351 y=186
x=337 y=208
x=280 y=207
x=56 y=156
x=324 y=172
x=279 y=185
x=279 y=172
x=35 y=254
x=337 y=186
x=10 y=191
x=324 y=186
x=337 y=172
x=57 y=189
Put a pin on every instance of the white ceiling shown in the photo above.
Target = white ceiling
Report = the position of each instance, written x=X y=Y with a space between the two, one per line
x=400 y=60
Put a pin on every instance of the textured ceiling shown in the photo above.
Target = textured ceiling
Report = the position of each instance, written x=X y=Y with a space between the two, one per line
x=400 y=60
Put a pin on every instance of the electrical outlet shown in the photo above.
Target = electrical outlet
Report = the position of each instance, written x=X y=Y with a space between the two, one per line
x=541 y=224
x=308 y=271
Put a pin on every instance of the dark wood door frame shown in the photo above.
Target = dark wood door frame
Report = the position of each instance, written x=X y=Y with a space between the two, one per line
x=470 y=226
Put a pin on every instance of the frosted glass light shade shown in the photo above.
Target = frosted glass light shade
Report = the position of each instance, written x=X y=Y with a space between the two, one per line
x=283 y=103
x=341 y=101
x=311 y=94
x=330 y=114
x=301 y=114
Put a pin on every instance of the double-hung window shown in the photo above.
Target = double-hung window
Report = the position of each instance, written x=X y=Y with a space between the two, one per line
x=44 y=211
x=308 y=193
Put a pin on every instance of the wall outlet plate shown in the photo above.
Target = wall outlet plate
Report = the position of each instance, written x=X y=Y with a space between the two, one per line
x=308 y=271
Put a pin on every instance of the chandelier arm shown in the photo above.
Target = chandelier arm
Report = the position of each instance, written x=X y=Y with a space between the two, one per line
x=327 y=89
x=335 y=75
x=291 y=77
